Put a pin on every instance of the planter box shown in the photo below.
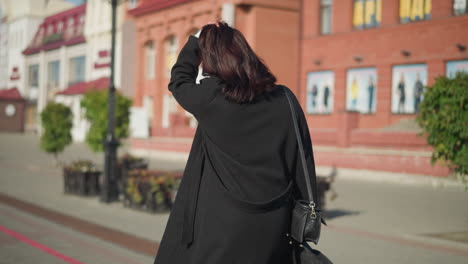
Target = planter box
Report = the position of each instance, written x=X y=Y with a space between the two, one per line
x=81 y=183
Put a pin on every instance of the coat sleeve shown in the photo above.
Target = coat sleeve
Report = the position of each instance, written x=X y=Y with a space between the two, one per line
x=191 y=96
x=309 y=157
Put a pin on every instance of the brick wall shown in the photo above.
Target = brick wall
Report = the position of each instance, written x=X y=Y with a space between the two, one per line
x=431 y=42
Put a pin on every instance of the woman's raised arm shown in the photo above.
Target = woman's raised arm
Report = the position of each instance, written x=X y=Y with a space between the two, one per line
x=191 y=96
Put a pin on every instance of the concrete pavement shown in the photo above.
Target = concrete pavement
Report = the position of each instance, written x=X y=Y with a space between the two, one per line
x=25 y=238
x=370 y=222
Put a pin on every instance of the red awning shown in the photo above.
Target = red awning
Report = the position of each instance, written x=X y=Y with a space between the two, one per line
x=84 y=87
x=11 y=94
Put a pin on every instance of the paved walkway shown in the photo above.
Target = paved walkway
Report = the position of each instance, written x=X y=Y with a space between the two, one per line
x=26 y=238
x=369 y=221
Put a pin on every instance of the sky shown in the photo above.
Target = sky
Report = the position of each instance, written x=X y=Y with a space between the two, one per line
x=76 y=2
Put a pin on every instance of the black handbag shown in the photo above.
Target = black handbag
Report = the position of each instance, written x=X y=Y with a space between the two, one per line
x=304 y=254
x=306 y=220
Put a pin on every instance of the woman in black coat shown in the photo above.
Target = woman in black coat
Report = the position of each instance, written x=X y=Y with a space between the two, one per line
x=234 y=202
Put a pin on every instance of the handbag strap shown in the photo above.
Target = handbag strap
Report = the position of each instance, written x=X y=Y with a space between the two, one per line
x=301 y=149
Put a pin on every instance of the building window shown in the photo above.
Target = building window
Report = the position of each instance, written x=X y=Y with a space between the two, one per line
x=39 y=37
x=132 y=4
x=171 y=54
x=460 y=7
x=33 y=76
x=325 y=16
x=50 y=29
x=59 y=26
x=76 y=70
x=81 y=24
x=70 y=27
x=415 y=10
x=150 y=60
x=53 y=74
x=367 y=13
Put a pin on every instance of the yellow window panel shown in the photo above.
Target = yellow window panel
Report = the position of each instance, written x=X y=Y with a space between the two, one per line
x=370 y=12
x=417 y=10
x=405 y=7
x=427 y=8
x=358 y=20
x=378 y=16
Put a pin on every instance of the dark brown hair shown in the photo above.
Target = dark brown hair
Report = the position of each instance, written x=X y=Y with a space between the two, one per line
x=225 y=53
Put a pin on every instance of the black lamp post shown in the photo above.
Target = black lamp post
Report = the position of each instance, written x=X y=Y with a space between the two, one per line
x=109 y=191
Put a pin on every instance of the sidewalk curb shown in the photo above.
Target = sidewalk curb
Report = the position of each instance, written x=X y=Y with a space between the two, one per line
x=343 y=173
x=392 y=177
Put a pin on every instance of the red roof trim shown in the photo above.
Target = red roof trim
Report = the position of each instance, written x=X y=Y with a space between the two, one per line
x=103 y=53
x=36 y=44
x=84 y=87
x=11 y=94
x=75 y=41
x=155 y=5
x=79 y=9
x=101 y=65
x=55 y=45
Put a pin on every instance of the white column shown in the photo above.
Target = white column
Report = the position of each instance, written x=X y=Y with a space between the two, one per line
x=228 y=13
x=63 y=60
x=42 y=93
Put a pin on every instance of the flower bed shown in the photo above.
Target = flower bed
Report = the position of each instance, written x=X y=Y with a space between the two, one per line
x=125 y=165
x=150 y=190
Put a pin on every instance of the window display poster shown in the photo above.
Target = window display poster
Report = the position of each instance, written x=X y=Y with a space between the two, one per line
x=456 y=66
x=319 y=98
x=361 y=90
x=408 y=86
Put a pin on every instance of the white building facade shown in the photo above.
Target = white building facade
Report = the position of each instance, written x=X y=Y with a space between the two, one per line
x=55 y=57
x=71 y=54
x=98 y=38
x=19 y=22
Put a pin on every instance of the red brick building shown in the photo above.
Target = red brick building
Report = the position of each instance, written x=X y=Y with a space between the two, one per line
x=359 y=68
x=391 y=45
x=163 y=27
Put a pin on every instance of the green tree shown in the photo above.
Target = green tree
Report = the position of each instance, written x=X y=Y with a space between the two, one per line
x=443 y=117
x=95 y=104
x=57 y=122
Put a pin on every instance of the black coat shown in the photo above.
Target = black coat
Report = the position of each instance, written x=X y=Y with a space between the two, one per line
x=234 y=201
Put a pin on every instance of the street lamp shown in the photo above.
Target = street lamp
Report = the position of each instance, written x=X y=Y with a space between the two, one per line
x=109 y=191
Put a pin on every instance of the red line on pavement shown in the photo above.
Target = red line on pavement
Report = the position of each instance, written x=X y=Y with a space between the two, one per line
x=90 y=247
x=39 y=246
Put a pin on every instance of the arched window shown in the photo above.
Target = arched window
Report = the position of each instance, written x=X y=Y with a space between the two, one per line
x=150 y=60
x=171 y=54
x=70 y=27
x=59 y=26
x=50 y=29
x=81 y=24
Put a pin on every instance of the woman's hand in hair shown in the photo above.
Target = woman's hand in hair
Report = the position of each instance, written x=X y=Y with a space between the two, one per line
x=217 y=22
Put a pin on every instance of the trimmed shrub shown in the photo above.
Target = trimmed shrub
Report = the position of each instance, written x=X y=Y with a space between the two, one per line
x=95 y=104
x=57 y=122
x=443 y=116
